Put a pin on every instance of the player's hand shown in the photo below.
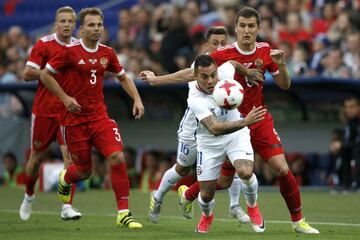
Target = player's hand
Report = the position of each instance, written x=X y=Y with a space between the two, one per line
x=138 y=109
x=255 y=76
x=71 y=104
x=255 y=115
x=148 y=76
x=278 y=56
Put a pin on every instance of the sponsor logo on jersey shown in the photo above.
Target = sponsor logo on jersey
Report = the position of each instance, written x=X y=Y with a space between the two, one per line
x=104 y=62
x=92 y=61
x=81 y=62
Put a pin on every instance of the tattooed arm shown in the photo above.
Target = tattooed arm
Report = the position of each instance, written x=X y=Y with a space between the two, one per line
x=220 y=128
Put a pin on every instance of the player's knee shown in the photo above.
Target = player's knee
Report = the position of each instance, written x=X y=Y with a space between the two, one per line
x=282 y=171
x=207 y=196
x=181 y=170
x=245 y=173
x=116 y=158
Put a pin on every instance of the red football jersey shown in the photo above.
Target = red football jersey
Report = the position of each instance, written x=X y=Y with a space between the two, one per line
x=258 y=58
x=45 y=103
x=80 y=72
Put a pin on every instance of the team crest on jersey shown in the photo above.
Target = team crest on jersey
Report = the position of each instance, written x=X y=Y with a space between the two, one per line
x=104 y=62
x=259 y=63
x=37 y=144
x=198 y=170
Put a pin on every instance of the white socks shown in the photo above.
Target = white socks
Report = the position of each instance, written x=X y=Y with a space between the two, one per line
x=234 y=191
x=250 y=190
x=206 y=207
x=167 y=182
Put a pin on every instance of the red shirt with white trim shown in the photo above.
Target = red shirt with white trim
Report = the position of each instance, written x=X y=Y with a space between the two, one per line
x=80 y=72
x=45 y=103
x=258 y=58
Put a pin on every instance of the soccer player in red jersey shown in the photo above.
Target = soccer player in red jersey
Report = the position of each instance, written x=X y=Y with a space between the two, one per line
x=46 y=109
x=264 y=138
x=80 y=69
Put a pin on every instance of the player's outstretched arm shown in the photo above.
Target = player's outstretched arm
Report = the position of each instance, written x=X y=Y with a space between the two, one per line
x=131 y=90
x=220 y=128
x=253 y=75
x=50 y=83
x=283 y=78
x=182 y=76
x=31 y=74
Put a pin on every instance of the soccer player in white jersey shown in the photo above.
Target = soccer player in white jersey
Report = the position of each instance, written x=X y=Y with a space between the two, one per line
x=221 y=133
x=186 y=154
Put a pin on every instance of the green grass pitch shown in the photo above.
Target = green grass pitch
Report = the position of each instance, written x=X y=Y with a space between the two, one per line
x=336 y=216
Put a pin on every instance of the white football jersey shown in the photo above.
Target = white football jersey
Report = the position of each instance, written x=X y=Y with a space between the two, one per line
x=189 y=123
x=203 y=105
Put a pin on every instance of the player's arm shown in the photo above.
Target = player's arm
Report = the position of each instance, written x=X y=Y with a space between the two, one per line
x=31 y=74
x=47 y=78
x=253 y=75
x=182 y=76
x=130 y=88
x=220 y=128
x=283 y=78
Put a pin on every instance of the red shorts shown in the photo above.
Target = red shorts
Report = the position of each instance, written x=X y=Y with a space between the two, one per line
x=264 y=138
x=227 y=169
x=44 y=130
x=104 y=134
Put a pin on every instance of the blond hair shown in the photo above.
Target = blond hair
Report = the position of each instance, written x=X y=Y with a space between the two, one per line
x=65 y=9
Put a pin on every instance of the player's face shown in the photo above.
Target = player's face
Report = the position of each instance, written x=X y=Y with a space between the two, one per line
x=92 y=28
x=247 y=30
x=207 y=78
x=352 y=109
x=215 y=41
x=65 y=24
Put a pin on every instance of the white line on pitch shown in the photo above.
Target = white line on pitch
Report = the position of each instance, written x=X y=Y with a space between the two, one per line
x=178 y=218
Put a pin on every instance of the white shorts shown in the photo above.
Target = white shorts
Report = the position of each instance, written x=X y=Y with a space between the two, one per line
x=186 y=153
x=210 y=158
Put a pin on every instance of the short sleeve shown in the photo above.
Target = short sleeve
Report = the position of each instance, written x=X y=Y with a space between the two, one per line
x=226 y=71
x=60 y=60
x=114 y=65
x=36 y=58
x=198 y=106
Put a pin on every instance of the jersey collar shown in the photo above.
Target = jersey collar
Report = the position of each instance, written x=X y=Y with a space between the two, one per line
x=244 y=52
x=91 y=50
x=59 y=41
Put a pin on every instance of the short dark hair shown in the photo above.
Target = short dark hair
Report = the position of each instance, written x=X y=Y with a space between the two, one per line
x=90 y=11
x=203 y=60
x=352 y=98
x=248 y=12
x=218 y=30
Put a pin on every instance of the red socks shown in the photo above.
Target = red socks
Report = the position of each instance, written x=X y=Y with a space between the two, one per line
x=192 y=193
x=120 y=185
x=291 y=194
x=71 y=175
x=30 y=182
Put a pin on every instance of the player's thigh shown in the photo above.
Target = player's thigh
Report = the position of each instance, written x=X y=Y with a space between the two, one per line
x=43 y=132
x=78 y=144
x=239 y=147
x=265 y=139
x=106 y=137
x=186 y=153
x=209 y=161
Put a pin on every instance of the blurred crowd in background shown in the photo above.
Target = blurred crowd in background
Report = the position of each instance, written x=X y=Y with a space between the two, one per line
x=319 y=38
